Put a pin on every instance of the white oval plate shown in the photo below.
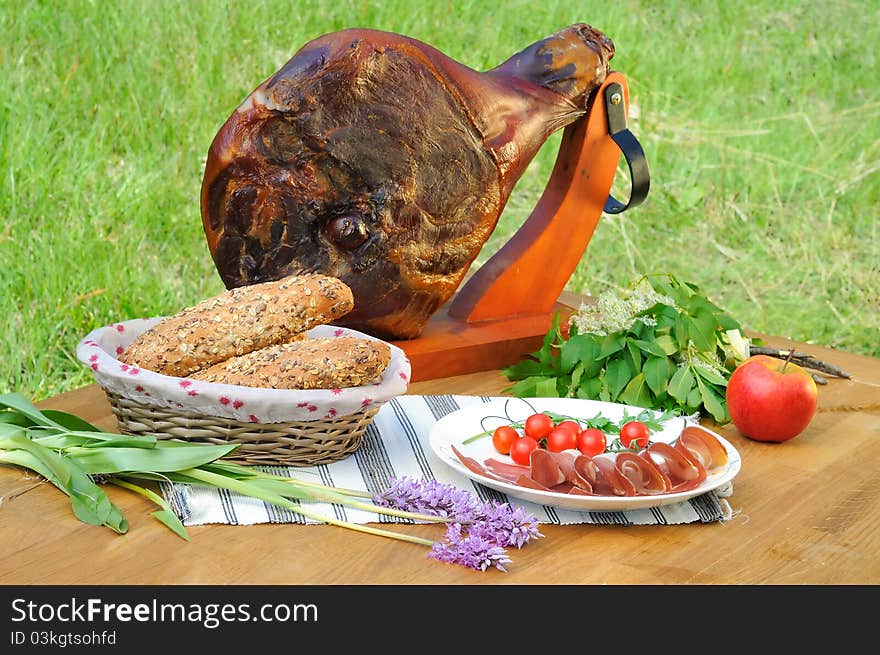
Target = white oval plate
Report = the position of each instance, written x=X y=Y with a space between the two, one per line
x=453 y=429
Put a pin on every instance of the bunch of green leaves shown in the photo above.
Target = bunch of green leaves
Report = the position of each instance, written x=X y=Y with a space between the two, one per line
x=675 y=354
x=80 y=459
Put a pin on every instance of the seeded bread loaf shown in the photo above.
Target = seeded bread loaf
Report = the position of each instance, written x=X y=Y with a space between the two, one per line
x=317 y=363
x=239 y=321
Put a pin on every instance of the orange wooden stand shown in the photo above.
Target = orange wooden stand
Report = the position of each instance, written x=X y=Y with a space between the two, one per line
x=505 y=308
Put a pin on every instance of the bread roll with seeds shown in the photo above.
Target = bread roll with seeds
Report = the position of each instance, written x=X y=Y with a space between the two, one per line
x=239 y=321
x=319 y=363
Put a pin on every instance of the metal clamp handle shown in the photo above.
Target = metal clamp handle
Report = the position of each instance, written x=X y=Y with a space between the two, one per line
x=631 y=149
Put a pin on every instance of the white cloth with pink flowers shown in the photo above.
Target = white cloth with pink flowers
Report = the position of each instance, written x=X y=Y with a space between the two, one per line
x=100 y=349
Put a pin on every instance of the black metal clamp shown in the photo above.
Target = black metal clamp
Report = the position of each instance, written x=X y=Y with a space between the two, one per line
x=631 y=149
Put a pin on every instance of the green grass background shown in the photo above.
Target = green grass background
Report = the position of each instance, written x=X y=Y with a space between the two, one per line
x=760 y=120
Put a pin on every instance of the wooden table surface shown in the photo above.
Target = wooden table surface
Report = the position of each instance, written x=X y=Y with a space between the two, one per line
x=805 y=512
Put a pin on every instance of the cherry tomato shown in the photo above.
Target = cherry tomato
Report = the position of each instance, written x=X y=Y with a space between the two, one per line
x=591 y=442
x=561 y=439
x=503 y=436
x=538 y=426
x=571 y=425
x=634 y=434
x=521 y=449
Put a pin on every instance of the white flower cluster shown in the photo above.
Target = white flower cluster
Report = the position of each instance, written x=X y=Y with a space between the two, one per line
x=615 y=312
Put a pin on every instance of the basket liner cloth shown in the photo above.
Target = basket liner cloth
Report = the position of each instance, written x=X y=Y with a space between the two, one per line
x=396 y=445
x=101 y=347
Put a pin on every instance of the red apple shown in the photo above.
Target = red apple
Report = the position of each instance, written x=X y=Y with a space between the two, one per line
x=770 y=399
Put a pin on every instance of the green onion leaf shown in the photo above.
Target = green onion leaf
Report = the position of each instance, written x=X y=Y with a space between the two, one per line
x=89 y=502
x=165 y=515
x=158 y=459
x=69 y=421
x=22 y=405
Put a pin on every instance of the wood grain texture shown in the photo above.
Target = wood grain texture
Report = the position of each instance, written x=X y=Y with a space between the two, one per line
x=805 y=512
x=451 y=346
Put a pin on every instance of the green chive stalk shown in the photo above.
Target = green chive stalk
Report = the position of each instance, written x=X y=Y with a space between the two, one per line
x=72 y=454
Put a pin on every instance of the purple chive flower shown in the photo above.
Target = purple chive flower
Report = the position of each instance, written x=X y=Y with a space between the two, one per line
x=471 y=550
x=505 y=525
x=430 y=497
x=499 y=523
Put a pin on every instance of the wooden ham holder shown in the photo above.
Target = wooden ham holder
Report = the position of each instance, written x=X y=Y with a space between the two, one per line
x=505 y=308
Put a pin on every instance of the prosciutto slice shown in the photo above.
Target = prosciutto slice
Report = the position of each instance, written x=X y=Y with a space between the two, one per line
x=703 y=446
x=551 y=469
x=526 y=481
x=506 y=469
x=475 y=467
x=611 y=482
x=646 y=477
x=684 y=472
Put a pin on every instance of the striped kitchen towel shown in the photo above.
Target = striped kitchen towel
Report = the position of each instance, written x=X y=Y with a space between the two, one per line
x=395 y=445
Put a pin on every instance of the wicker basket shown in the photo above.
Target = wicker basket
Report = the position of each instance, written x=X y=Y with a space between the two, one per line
x=270 y=426
x=296 y=443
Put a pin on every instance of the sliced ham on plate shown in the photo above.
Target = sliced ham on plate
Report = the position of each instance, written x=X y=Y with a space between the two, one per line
x=684 y=472
x=646 y=477
x=702 y=445
x=661 y=468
